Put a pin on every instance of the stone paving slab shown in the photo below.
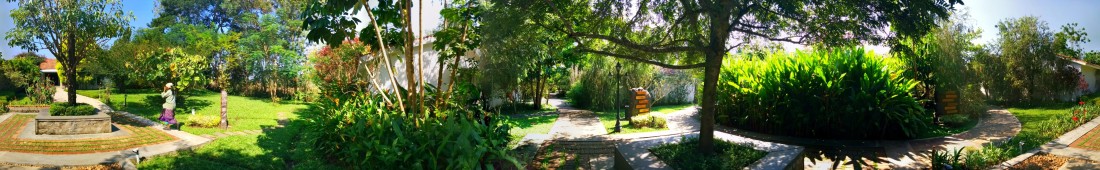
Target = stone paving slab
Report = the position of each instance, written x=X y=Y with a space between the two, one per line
x=577 y=124
x=186 y=141
x=1075 y=164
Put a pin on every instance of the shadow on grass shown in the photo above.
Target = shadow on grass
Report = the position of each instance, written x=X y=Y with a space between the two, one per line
x=275 y=148
x=527 y=121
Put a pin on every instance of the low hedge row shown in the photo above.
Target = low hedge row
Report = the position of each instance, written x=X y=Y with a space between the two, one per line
x=64 y=109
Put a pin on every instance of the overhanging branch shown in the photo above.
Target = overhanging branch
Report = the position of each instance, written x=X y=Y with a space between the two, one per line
x=665 y=65
x=632 y=45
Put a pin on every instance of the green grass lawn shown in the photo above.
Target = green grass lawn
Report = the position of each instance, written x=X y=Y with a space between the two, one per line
x=671 y=108
x=684 y=155
x=608 y=120
x=1044 y=123
x=529 y=121
x=245 y=113
x=274 y=149
x=523 y=125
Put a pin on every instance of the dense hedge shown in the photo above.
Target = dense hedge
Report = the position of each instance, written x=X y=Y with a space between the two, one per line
x=841 y=94
x=64 y=109
x=358 y=131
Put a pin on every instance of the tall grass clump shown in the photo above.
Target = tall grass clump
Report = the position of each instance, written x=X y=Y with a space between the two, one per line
x=835 y=94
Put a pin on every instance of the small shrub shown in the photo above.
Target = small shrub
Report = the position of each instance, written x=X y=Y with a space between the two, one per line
x=64 y=109
x=685 y=155
x=955 y=120
x=648 y=120
x=205 y=121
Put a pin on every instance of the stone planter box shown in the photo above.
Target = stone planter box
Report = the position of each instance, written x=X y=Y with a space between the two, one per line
x=72 y=125
x=28 y=108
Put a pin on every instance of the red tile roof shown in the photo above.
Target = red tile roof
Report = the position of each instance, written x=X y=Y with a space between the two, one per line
x=48 y=64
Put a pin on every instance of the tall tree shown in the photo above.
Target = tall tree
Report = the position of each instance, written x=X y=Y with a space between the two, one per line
x=1032 y=56
x=68 y=29
x=678 y=34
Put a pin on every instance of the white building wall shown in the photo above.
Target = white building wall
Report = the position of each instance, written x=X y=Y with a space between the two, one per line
x=1090 y=77
x=430 y=66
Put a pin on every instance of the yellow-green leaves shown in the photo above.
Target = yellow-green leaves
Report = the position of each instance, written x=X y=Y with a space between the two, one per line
x=846 y=93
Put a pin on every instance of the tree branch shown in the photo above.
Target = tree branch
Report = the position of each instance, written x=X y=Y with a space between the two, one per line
x=636 y=46
x=802 y=39
x=665 y=65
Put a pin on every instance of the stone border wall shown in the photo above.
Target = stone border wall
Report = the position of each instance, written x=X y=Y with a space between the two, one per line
x=45 y=124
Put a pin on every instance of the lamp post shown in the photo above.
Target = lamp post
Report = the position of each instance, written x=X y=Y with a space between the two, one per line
x=619 y=79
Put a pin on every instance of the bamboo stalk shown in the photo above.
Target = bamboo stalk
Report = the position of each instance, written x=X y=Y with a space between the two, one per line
x=385 y=56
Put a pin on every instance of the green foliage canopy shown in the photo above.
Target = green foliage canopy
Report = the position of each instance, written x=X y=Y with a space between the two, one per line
x=69 y=29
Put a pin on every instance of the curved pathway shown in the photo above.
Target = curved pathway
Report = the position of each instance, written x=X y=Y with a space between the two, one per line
x=996 y=126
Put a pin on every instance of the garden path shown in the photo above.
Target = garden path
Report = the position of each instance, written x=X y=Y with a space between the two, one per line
x=998 y=125
x=575 y=124
x=579 y=133
x=61 y=96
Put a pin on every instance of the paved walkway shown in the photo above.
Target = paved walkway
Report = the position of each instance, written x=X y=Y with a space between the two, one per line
x=998 y=125
x=16 y=160
x=580 y=132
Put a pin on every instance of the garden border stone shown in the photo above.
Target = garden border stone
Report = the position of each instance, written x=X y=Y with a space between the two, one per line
x=28 y=108
x=46 y=124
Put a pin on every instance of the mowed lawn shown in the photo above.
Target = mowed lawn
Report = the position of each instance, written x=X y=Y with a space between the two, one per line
x=245 y=113
x=281 y=148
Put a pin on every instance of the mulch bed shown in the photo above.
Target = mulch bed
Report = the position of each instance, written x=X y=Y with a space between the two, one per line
x=139 y=136
x=1042 y=161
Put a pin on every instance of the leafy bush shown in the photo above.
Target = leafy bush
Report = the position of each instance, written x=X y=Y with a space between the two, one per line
x=647 y=121
x=955 y=119
x=360 y=131
x=205 y=121
x=64 y=109
x=845 y=94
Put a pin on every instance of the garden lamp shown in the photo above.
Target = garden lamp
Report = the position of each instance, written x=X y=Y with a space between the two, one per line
x=619 y=76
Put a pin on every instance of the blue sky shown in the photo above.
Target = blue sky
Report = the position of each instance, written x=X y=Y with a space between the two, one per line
x=984 y=14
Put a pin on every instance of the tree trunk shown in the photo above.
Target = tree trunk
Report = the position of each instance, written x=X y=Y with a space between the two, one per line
x=70 y=70
x=420 y=58
x=410 y=72
x=715 y=51
x=538 y=89
x=386 y=58
x=710 y=86
x=224 y=124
